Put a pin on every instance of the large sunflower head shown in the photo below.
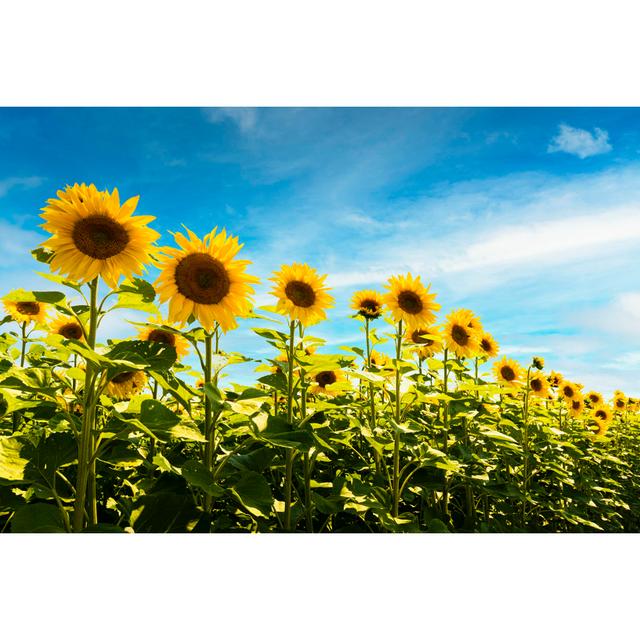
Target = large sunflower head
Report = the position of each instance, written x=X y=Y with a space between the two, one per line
x=301 y=293
x=427 y=341
x=162 y=336
x=368 y=303
x=538 y=385
x=410 y=301
x=127 y=384
x=463 y=333
x=508 y=371
x=488 y=347
x=26 y=310
x=68 y=328
x=94 y=235
x=323 y=382
x=201 y=279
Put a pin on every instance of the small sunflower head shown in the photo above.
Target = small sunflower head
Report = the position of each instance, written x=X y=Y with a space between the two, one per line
x=368 y=303
x=538 y=363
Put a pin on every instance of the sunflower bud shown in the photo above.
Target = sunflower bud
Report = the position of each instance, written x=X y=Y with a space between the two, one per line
x=538 y=363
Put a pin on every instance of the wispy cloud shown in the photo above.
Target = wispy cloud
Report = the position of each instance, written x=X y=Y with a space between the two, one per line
x=580 y=142
x=246 y=118
x=29 y=182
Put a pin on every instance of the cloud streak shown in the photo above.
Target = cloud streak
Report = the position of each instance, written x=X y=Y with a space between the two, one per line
x=580 y=142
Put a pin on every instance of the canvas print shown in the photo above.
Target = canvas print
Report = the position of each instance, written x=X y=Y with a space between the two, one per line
x=319 y=320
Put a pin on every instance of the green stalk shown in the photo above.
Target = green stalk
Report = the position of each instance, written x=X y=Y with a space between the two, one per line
x=396 y=435
x=288 y=477
x=525 y=452
x=88 y=416
x=372 y=397
x=445 y=421
x=208 y=415
x=23 y=351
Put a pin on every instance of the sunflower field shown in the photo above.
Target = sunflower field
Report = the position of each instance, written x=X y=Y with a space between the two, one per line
x=421 y=427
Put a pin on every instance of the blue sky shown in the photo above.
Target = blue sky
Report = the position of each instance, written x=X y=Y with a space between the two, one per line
x=530 y=217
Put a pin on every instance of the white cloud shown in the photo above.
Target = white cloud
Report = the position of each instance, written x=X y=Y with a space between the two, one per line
x=246 y=118
x=27 y=183
x=580 y=142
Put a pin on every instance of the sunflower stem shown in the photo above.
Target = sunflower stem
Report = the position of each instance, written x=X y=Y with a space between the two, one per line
x=288 y=478
x=396 y=435
x=23 y=351
x=372 y=398
x=445 y=421
x=525 y=452
x=208 y=414
x=88 y=416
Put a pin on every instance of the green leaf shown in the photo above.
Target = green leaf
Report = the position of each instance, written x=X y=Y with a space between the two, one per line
x=12 y=464
x=37 y=518
x=197 y=475
x=254 y=494
x=166 y=425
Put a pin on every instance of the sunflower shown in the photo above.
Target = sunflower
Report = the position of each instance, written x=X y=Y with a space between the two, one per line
x=619 y=400
x=603 y=414
x=488 y=346
x=26 y=310
x=595 y=398
x=508 y=371
x=568 y=390
x=201 y=279
x=380 y=360
x=538 y=385
x=427 y=341
x=127 y=384
x=463 y=333
x=94 y=235
x=323 y=381
x=601 y=430
x=409 y=301
x=576 y=405
x=301 y=293
x=555 y=379
x=367 y=303
x=68 y=328
x=156 y=334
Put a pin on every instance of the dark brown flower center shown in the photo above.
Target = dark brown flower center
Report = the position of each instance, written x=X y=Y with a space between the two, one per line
x=568 y=391
x=300 y=293
x=418 y=338
x=71 y=331
x=619 y=404
x=536 y=384
x=601 y=414
x=100 y=237
x=164 y=337
x=593 y=397
x=370 y=309
x=325 y=377
x=576 y=404
x=202 y=279
x=460 y=335
x=508 y=373
x=410 y=302
x=28 y=308
x=125 y=376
